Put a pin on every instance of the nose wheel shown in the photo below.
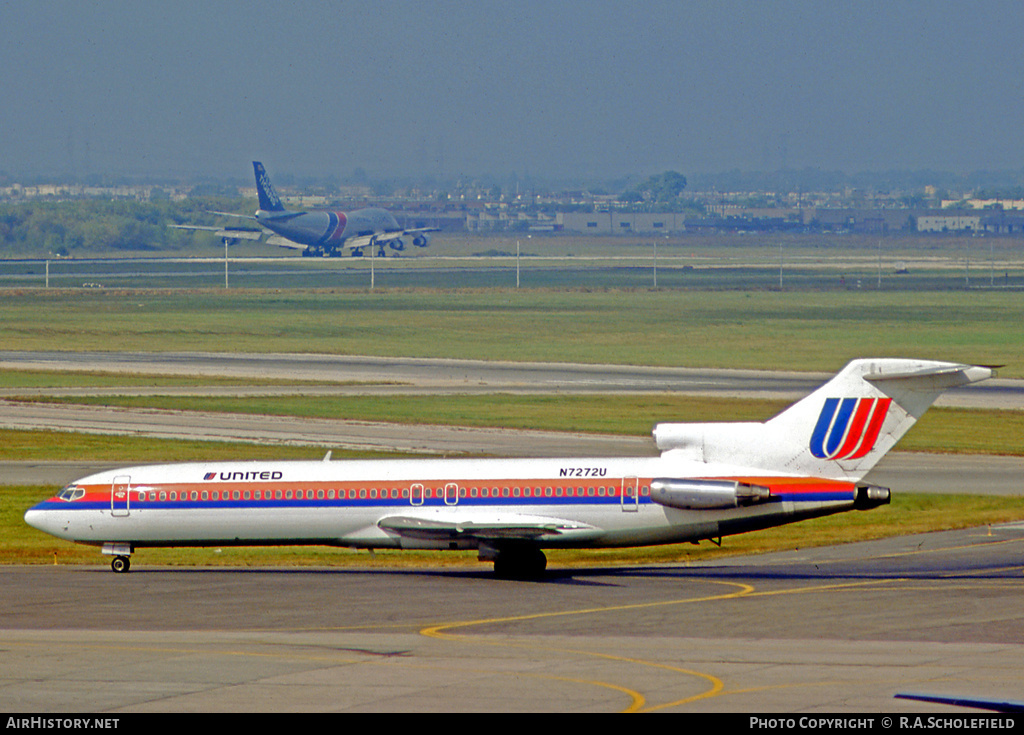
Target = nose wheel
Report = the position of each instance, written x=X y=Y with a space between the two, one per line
x=121 y=564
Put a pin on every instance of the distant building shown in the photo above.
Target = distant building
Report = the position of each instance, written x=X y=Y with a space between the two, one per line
x=1003 y=223
x=1017 y=204
x=949 y=223
x=620 y=223
x=868 y=221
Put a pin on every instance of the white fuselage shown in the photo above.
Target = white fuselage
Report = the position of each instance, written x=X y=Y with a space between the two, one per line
x=415 y=503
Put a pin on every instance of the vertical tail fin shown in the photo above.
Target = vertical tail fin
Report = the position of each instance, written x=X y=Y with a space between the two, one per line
x=269 y=200
x=840 y=430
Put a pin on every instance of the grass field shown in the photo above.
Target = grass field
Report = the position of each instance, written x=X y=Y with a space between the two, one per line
x=948 y=430
x=767 y=330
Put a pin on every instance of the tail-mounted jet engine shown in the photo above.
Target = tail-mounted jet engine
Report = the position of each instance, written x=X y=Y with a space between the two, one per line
x=706 y=494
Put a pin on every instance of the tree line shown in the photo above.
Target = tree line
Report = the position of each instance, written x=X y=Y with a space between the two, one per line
x=91 y=226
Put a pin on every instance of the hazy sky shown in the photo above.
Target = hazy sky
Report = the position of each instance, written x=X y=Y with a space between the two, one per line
x=589 y=88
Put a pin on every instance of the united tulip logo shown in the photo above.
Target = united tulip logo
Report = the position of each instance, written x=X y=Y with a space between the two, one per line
x=848 y=427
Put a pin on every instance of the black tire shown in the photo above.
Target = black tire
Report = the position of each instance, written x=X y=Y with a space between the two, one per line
x=520 y=564
x=121 y=564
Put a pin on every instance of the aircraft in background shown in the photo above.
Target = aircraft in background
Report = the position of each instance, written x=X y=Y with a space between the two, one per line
x=985 y=703
x=319 y=232
x=711 y=480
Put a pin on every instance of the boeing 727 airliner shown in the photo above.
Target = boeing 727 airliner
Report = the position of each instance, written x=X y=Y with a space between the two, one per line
x=711 y=480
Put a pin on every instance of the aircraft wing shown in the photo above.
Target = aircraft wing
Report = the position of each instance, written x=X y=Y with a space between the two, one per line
x=496 y=526
x=351 y=243
x=363 y=241
x=232 y=233
x=357 y=242
x=284 y=242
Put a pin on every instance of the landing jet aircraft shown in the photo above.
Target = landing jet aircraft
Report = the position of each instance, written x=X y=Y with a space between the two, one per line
x=711 y=480
x=319 y=232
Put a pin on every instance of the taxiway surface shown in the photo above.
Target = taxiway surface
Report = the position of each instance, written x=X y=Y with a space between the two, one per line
x=836 y=629
x=368 y=374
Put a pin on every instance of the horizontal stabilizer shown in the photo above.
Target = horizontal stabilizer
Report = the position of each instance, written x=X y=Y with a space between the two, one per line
x=937 y=377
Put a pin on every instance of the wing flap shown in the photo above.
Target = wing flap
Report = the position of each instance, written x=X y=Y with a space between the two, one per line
x=362 y=241
x=239 y=234
x=492 y=527
x=284 y=242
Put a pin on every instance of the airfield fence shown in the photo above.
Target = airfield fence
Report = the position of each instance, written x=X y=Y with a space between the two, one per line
x=756 y=269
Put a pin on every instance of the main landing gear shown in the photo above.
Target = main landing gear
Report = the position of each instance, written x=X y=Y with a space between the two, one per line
x=525 y=563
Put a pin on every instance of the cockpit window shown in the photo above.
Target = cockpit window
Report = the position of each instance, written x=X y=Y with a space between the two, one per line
x=71 y=493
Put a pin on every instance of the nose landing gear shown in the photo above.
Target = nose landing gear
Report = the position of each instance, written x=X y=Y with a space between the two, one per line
x=120 y=551
x=121 y=564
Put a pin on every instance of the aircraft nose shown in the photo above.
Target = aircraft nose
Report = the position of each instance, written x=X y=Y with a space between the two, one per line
x=34 y=518
x=43 y=520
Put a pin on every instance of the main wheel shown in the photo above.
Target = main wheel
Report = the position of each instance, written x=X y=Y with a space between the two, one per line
x=520 y=564
x=120 y=564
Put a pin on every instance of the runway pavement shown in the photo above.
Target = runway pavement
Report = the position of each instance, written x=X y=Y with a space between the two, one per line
x=365 y=374
x=831 y=630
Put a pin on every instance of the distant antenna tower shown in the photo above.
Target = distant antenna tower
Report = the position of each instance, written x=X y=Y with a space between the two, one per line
x=422 y=158
x=69 y=162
